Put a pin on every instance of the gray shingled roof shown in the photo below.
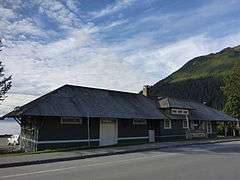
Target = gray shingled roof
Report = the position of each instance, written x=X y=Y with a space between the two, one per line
x=198 y=111
x=76 y=101
x=173 y=103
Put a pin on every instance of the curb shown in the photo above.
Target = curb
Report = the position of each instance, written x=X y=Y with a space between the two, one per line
x=35 y=162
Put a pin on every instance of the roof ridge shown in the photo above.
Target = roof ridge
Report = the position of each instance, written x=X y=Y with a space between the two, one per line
x=100 y=89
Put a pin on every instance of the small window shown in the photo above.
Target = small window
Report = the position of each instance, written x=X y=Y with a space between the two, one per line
x=167 y=124
x=185 y=112
x=185 y=125
x=180 y=111
x=174 y=111
x=139 y=122
x=71 y=121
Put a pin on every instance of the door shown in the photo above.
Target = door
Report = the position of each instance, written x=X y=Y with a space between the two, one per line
x=151 y=135
x=108 y=132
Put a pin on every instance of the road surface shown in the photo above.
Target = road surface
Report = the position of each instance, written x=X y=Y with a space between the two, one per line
x=211 y=162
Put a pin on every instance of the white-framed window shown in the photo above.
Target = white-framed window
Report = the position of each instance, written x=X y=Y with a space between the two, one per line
x=185 y=124
x=174 y=111
x=139 y=121
x=185 y=111
x=180 y=111
x=167 y=124
x=71 y=121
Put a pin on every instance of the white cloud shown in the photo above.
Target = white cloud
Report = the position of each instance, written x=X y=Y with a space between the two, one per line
x=59 y=13
x=77 y=59
x=167 y=59
x=119 y=5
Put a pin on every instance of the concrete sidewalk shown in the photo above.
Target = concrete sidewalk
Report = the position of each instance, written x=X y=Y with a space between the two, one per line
x=22 y=160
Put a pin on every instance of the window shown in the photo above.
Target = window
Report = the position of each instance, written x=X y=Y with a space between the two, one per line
x=174 y=111
x=167 y=124
x=139 y=122
x=185 y=112
x=71 y=121
x=180 y=111
x=185 y=125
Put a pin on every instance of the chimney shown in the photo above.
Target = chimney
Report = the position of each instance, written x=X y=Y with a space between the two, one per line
x=146 y=90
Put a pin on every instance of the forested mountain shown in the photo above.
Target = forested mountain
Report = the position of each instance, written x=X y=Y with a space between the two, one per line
x=201 y=78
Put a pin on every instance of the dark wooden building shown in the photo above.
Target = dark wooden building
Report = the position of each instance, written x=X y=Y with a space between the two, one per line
x=73 y=116
x=79 y=116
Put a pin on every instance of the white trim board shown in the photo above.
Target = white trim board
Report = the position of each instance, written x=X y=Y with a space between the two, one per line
x=60 y=141
x=130 y=138
x=81 y=140
x=172 y=135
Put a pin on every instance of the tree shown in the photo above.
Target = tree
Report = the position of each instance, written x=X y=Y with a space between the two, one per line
x=5 y=81
x=231 y=91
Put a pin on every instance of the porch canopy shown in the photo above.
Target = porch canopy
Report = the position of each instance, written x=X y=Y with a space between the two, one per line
x=77 y=101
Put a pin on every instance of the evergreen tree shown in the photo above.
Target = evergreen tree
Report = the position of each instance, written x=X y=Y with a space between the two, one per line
x=5 y=81
x=231 y=91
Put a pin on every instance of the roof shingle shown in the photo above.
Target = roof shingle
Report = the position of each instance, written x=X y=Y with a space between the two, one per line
x=77 y=101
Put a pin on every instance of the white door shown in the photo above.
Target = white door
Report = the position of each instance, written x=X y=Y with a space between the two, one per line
x=151 y=135
x=108 y=132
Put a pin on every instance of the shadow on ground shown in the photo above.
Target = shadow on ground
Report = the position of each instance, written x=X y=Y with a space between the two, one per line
x=227 y=148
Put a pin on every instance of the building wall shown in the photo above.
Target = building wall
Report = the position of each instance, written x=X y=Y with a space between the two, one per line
x=126 y=128
x=52 y=134
x=54 y=130
x=129 y=133
x=49 y=133
x=176 y=132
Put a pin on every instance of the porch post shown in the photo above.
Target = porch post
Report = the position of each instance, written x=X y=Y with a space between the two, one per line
x=234 y=130
x=188 y=128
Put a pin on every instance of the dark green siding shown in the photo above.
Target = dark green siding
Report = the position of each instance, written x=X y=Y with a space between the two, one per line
x=177 y=132
x=54 y=130
x=126 y=128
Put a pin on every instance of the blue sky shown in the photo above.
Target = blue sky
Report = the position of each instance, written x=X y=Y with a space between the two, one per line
x=121 y=44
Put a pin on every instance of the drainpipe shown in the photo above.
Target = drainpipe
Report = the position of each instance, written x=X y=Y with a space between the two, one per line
x=88 y=129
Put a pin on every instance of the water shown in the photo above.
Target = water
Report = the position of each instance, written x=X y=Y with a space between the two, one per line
x=9 y=127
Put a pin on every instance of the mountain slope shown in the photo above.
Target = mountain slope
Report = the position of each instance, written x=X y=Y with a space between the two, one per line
x=201 y=78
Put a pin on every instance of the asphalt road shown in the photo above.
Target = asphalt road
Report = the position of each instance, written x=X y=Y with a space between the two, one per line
x=210 y=162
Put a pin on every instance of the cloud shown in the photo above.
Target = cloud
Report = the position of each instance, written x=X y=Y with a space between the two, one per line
x=109 y=9
x=77 y=59
x=58 y=12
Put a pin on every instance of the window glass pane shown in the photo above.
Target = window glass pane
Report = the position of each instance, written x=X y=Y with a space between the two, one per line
x=167 y=124
x=185 y=112
x=174 y=111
